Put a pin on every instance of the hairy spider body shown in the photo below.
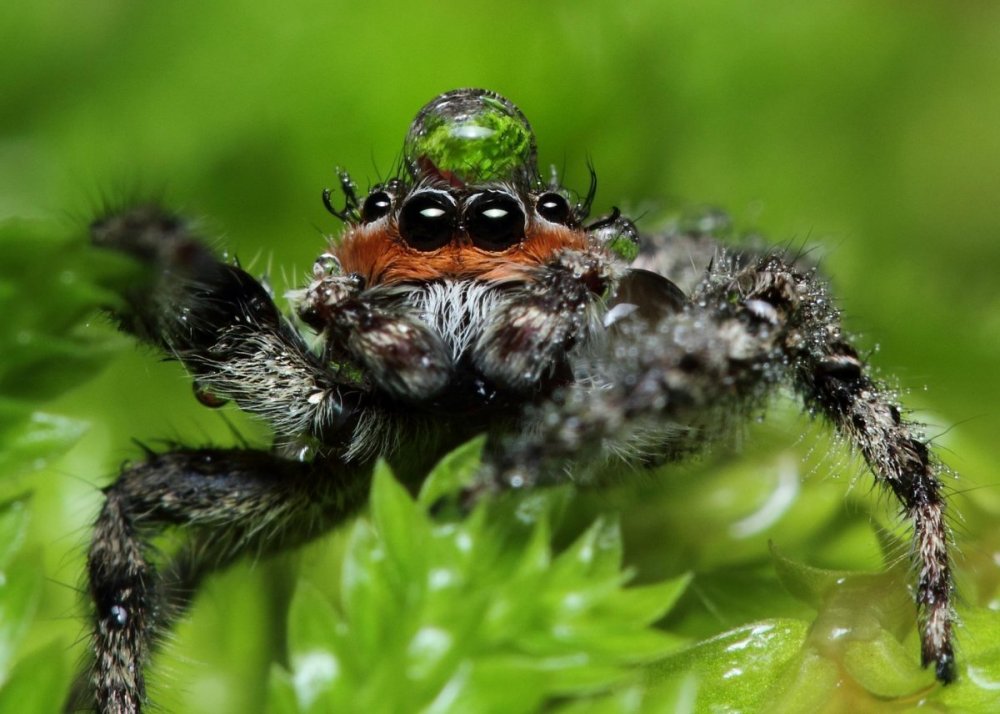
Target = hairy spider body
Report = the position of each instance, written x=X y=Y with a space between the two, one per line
x=467 y=296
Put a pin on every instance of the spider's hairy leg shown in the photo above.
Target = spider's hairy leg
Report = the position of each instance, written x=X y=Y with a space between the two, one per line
x=222 y=324
x=236 y=500
x=746 y=329
x=834 y=382
x=368 y=328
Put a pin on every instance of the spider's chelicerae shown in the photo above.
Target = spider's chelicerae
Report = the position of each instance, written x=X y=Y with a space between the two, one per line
x=467 y=295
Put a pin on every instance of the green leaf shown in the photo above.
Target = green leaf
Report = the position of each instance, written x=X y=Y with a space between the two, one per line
x=675 y=696
x=978 y=685
x=20 y=586
x=736 y=669
x=454 y=473
x=312 y=622
x=403 y=528
x=597 y=553
x=810 y=584
x=476 y=614
x=492 y=686
x=367 y=597
x=32 y=439
x=281 y=697
x=20 y=583
x=884 y=667
x=807 y=685
x=13 y=527
x=648 y=603
x=312 y=640
x=48 y=284
x=38 y=683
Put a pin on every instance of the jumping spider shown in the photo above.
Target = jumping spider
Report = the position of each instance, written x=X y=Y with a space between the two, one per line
x=467 y=295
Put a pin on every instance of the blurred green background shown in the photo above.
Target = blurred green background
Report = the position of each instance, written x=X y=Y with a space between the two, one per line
x=869 y=129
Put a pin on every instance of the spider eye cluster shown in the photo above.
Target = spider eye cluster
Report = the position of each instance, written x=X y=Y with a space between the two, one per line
x=492 y=219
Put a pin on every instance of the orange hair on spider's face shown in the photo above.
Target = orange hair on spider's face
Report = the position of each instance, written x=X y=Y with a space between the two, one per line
x=377 y=252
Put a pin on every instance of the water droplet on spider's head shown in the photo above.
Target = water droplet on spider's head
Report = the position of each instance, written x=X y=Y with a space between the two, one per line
x=470 y=136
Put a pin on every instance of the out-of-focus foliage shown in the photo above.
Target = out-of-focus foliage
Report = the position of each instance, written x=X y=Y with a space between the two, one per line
x=48 y=286
x=869 y=129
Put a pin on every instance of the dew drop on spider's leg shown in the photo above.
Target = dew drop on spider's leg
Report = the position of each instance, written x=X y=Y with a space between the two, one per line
x=207 y=397
x=119 y=616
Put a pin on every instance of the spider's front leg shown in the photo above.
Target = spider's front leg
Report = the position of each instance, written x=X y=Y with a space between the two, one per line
x=223 y=326
x=236 y=501
x=745 y=330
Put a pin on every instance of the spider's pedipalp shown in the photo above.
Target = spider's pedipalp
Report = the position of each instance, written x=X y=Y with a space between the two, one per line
x=401 y=354
x=542 y=318
x=370 y=330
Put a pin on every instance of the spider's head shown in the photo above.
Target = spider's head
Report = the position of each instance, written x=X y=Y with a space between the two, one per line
x=471 y=204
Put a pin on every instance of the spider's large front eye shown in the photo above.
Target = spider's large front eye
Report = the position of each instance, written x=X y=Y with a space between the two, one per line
x=378 y=204
x=495 y=221
x=427 y=221
x=553 y=207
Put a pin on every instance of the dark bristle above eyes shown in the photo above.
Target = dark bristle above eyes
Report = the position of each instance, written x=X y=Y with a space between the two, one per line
x=427 y=221
x=494 y=221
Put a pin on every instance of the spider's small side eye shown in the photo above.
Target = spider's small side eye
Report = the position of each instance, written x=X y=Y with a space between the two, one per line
x=495 y=221
x=553 y=207
x=427 y=220
x=378 y=204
